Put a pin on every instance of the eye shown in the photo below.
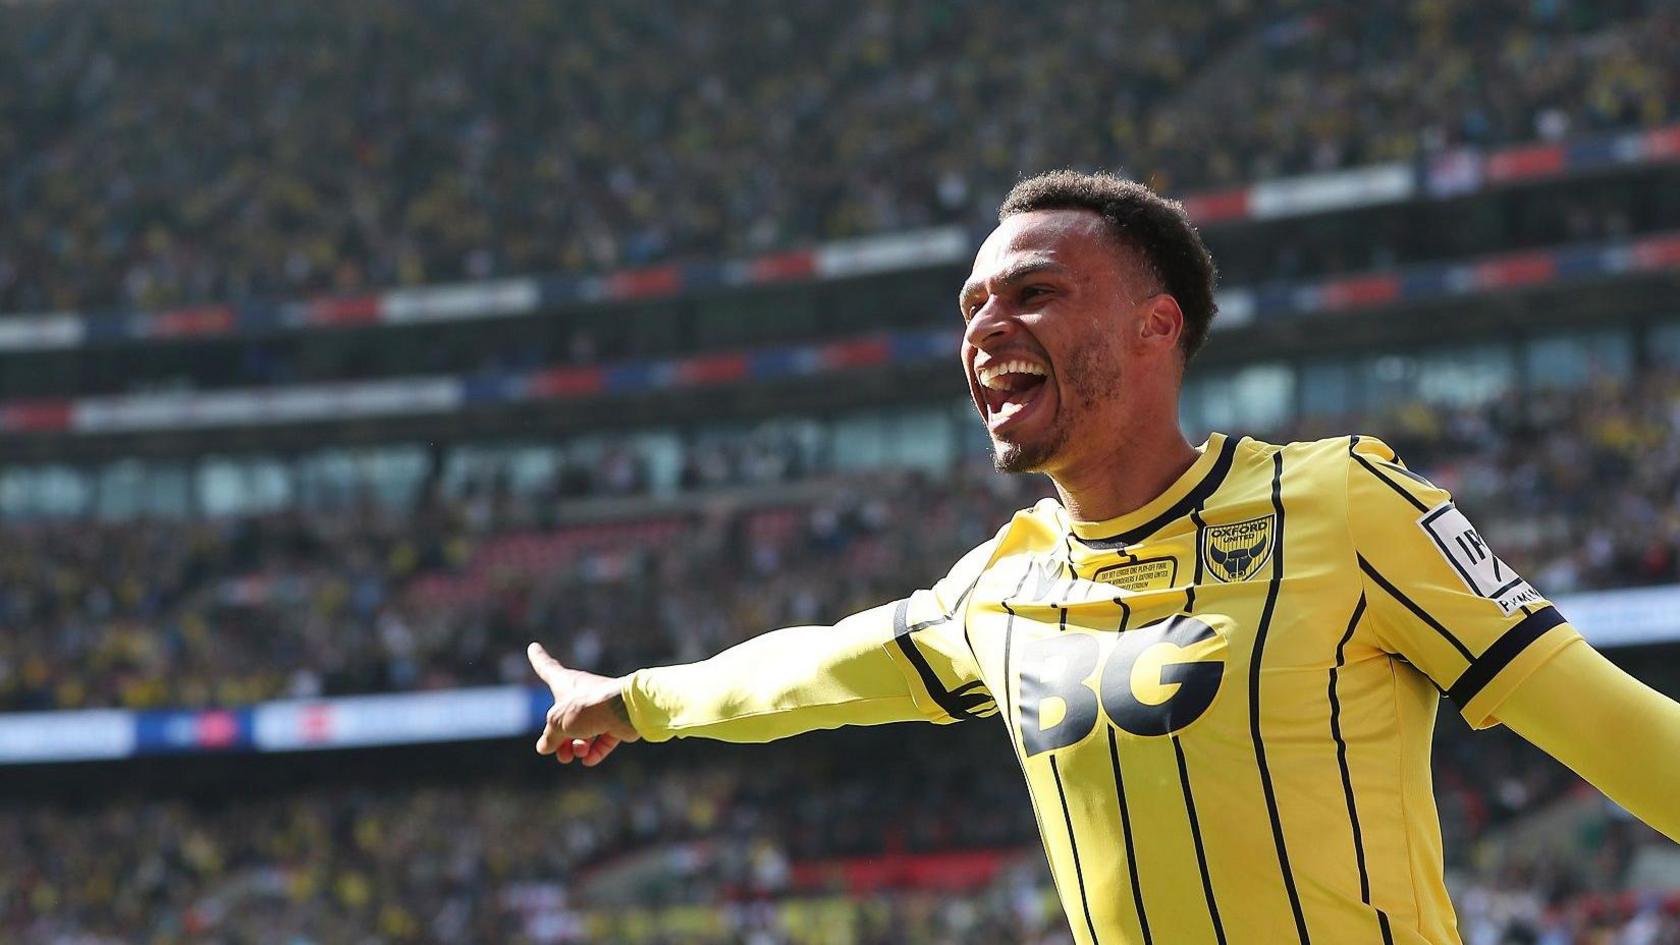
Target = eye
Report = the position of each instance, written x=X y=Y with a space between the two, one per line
x=1034 y=291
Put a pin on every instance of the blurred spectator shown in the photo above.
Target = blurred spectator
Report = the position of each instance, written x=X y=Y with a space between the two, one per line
x=371 y=597
x=746 y=846
x=164 y=153
x=1578 y=489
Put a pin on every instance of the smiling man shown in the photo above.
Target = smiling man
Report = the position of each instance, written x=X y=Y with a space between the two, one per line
x=1219 y=665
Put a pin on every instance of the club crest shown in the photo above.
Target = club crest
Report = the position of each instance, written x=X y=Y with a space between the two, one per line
x=1238 y=551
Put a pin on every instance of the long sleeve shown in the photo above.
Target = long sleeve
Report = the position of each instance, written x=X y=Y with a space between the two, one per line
x=905 y=661
x=1613 y=730
x=1439 y=596
x=788 y=681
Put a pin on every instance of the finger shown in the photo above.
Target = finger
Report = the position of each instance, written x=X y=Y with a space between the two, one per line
x=600 y=750
x=576 y=748
x=565 y=751
x=547 y=667
x=548 y=741
x=551 y=736
x=552 y=741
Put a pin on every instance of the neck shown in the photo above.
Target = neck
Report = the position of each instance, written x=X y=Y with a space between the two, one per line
x=1127 y=475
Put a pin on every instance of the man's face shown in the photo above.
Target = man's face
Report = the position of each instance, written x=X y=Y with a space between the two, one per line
x=1048 y=309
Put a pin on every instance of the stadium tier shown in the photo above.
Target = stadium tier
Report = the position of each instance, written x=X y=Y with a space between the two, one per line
x=420 y=577
x=726 y=845
x=240 y=168
x=1602 y=198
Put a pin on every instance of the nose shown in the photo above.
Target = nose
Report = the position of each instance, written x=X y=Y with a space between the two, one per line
x=991 y=324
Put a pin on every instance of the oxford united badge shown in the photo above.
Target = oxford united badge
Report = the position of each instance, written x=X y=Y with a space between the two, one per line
x=1238 y=551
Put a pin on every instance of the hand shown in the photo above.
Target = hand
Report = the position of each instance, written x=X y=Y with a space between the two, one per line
x=588 y=719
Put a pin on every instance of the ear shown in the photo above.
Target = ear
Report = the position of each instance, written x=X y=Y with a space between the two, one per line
x=1160 y=322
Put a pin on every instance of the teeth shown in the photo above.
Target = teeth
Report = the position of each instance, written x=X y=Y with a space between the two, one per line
x=990 y=373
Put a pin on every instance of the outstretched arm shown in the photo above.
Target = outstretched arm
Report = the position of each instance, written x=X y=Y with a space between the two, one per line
x=905 y=661
x=1610 y=728
x=788 y=681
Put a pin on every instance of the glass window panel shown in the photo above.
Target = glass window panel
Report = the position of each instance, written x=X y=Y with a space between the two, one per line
x=1329 y=389
x=660 y=456
x=269 y=484
x=859 y=442
x=63 y=490
x=971 y=437
x=220 y=488
x=392 y=474
x=15 y=492
x=1663 y=344
x=462 y=469
x=1263 y=396
x=1571 y=360
x=529 y=469
x=1465 y=377
x=327 y=479
x=804 y=439
x=923 y=440
x=167 y=492
x=230 y=486
x=121 y=490
x=1460 y=377
x=1192 y=418
x=1257 y=398
x=28 y=492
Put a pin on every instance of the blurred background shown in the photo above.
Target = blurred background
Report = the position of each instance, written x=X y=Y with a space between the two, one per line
x=347 y=348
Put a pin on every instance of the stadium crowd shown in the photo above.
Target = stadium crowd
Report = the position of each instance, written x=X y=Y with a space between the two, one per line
x=369 y=596
x=502 y=858
x=153 y=155
x=298 y=602
x=748 y=847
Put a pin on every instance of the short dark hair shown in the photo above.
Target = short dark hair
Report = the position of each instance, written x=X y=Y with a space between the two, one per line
x=1154 y=228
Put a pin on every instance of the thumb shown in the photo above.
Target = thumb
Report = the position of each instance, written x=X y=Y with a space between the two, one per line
x=546 y=666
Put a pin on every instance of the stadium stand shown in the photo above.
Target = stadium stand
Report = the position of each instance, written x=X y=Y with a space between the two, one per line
x=682 y=847
x=348 y=348
x=243 y=167
x=360 y=594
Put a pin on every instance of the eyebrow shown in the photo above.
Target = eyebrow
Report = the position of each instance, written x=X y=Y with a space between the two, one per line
x=1009 y=276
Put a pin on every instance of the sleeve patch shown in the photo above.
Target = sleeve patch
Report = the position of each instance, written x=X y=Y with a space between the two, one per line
x=1473 y=561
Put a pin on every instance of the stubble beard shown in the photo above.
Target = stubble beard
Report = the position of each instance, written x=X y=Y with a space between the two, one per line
x=1080 y=392
x=1010 y=457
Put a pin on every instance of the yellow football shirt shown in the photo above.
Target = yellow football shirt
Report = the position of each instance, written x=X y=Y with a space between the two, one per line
x=1222 y=702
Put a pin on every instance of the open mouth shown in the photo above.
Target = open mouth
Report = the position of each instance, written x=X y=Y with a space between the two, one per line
x=1010 y=389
